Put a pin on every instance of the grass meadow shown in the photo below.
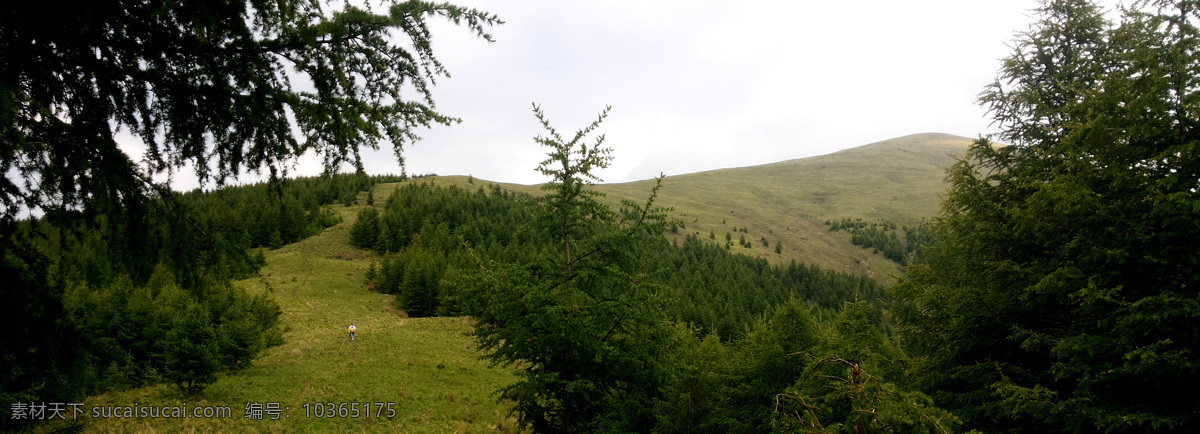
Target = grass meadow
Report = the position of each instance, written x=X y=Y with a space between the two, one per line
x=429 y=367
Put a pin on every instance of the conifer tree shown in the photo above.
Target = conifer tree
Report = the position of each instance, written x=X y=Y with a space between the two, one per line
x=365 y=232
x=191 y=350
x=583 y=324
x=1061 y=294
x=420 y=289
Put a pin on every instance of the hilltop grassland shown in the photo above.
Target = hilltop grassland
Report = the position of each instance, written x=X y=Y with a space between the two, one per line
x=429 y=367
x=900 y=180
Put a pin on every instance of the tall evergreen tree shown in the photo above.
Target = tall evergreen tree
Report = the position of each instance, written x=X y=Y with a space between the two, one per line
x=582 y=324
x=365 y=232
x=1064 y=291
x=191 y=350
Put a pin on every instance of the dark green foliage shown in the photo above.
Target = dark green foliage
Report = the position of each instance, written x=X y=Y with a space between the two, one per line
x=915 y=240
x=794 y=372
x=191 y=350
x=372 y=275
x=839 y=395
x=771 y=357
x=103 y=305
x=204 y=85
x=852 y=384
x=72 y=79
x=698 y=369
x=481 y=218
x=134 y=335
x=724 y=296
x=365 y=231
x=38 y=347
x=424 y=224
x=386 y=241
x=882 y=237
x=1062 y=293
x=421 y=288
x=195 y=234
x=414 y=275
x=712 y=235
x=270 y=214
x=719 y=292
x=581 y=321
x=778 y=247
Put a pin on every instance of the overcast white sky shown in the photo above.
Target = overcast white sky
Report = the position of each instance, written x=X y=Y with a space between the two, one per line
x=699 y=85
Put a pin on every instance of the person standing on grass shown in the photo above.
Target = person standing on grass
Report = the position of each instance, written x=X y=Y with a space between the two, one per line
x=352 y=330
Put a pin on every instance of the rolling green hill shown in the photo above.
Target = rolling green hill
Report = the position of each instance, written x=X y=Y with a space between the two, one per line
x=430 y=368
x=901 y=180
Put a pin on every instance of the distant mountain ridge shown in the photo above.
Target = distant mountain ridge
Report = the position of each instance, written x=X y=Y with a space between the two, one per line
x=788 y=202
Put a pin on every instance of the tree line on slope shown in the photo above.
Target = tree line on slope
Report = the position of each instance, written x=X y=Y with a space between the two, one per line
x=612 y=328
x=422 y=229
x=881 y=236
x=109 y=301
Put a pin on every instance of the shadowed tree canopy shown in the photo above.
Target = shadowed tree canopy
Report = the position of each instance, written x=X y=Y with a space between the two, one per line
x=223 y=86
x=1064 y=293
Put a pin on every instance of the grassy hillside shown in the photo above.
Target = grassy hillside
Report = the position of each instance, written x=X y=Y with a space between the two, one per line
x=429 y=367
x=900 y=179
